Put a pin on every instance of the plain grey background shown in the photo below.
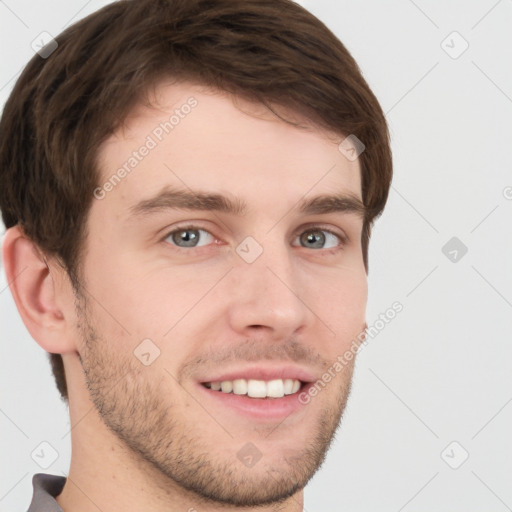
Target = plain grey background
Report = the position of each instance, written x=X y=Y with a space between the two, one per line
x=429 y=418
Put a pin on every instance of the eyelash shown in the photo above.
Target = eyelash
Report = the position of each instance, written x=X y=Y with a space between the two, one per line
x=333 y=250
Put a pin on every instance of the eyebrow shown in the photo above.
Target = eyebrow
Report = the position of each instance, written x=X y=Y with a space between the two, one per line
x=170 y=199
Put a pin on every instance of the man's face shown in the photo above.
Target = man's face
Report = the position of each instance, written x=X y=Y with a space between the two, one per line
x=275 y=293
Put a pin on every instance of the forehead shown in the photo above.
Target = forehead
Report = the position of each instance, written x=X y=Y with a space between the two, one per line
x=196 y=137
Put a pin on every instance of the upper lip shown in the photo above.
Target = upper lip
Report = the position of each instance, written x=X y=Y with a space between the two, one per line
x=261 y=373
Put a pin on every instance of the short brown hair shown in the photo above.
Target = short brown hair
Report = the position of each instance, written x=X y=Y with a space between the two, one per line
x=62 y=107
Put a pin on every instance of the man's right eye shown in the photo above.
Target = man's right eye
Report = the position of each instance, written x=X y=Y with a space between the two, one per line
x=189 y=236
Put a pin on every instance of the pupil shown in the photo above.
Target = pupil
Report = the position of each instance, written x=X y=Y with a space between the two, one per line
x=188 y=236
x=315 y=238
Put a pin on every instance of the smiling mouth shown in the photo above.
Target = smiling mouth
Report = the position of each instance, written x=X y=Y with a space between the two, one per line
x=276 y=388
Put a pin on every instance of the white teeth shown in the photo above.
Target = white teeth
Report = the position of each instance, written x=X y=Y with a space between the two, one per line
x=256 y=388
x=226 y=386
x=288 y=386
x=276 y=388
x=240 y=387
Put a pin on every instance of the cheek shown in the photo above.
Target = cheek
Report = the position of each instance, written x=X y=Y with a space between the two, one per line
x=157 y=300
x=342 y=306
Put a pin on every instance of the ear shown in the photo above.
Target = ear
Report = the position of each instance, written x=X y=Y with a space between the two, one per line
x=42 y=292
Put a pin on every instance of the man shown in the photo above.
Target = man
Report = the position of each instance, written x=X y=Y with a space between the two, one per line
x=188 y=190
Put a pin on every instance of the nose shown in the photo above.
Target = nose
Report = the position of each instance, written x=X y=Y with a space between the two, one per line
x=269 y=295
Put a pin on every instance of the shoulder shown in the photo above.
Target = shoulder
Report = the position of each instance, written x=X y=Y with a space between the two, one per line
x=46 y=488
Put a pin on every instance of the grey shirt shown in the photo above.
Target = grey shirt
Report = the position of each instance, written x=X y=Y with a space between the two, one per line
x=46 y=489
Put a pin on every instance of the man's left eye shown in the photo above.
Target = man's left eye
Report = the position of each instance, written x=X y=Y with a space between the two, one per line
x=317 y=238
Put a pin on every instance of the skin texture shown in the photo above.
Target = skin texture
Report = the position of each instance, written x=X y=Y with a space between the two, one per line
x=148 y=437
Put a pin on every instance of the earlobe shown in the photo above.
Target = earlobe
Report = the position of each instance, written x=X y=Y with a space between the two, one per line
x=39 y=300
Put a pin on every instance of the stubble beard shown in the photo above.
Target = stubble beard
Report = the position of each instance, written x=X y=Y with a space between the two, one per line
x=155 y=432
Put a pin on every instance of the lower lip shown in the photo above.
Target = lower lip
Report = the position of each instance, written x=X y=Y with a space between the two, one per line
x=259 y=408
